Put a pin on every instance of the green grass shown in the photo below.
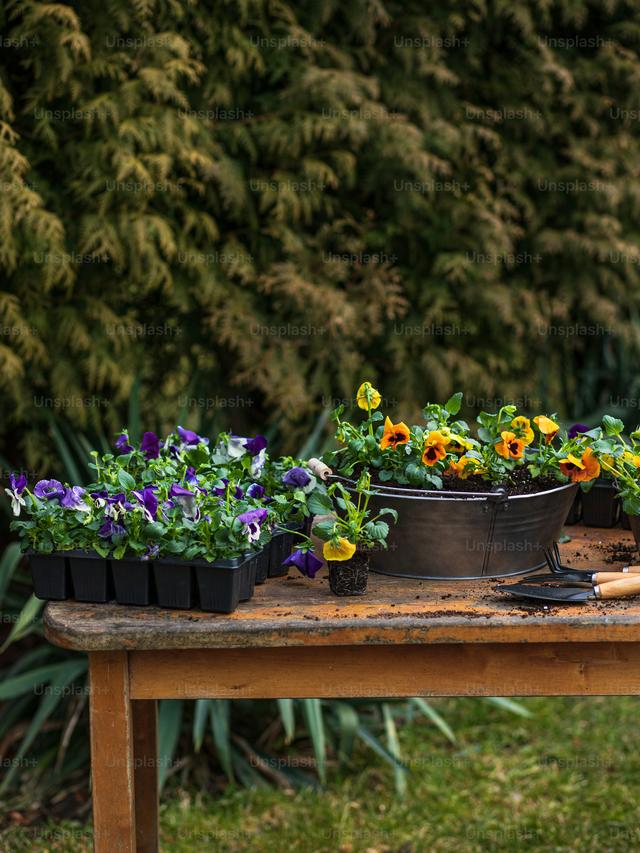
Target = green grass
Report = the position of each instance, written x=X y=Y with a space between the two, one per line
x=564 y=780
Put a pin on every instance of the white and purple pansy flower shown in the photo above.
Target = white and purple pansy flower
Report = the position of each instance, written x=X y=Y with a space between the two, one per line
x=17 y=485
x=255 y=491
x=186 y=500
x=253 y=520
x=48 y=489
x=188 y=436
x=150 y=445
x=255 y=445
x=73 y=498
x=305 y=561
x=221 y=491
x=148 y=502
x=122 y=443
x=257 y=463
x=110 y=529
x=114 y=505
x=299 y=478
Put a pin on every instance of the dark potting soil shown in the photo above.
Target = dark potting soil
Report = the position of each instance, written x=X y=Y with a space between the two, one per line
x=349 y=577
x=520 y=482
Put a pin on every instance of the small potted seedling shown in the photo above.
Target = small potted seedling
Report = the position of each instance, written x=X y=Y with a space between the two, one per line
x=351 y=536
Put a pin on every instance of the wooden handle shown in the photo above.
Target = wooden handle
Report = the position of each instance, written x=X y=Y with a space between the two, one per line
x=632 y=569
x=607 y=577
x=619 y=589
x=323 y=471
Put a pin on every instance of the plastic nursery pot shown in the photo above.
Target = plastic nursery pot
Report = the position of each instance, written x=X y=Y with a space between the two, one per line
x=50 y=574
x=222 y=584
x=133 y=581
x=262 y=563
x=280 y=549
x=634 y=523
x=573 y=516
x=349 y=577
x=624 y=520
x=174 y=584
x=600 y=505
x=91 y=576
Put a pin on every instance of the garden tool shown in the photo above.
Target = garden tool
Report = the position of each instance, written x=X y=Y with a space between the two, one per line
x=625 y=588
x=559 y=570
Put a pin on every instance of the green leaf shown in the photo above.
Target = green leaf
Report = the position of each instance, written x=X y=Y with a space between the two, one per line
x=10 y=559
x=27 y=681
x=509 y=705
x=25 y=623
x=169 y=724
x=347 y=726
x=287 y=715
x=371 y=740
x=389 y=511
x=324 y=529
x=220 y=711
x=438 y=721
x=319 y=503
x=393 y=744
x=312 y=710
x=200 y=716
x=377 y=529
x=612 y=426
x=454 y=403
x=126 y=480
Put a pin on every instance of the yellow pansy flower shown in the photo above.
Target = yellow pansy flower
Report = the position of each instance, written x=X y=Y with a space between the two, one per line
x=343 y=550
x=522 y=428
x=368 y=397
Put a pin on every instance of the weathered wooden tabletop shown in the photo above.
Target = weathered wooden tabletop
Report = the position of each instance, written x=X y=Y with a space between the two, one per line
x=295 y=611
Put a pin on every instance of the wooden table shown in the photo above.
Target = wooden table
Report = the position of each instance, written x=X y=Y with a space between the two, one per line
x=294 y=639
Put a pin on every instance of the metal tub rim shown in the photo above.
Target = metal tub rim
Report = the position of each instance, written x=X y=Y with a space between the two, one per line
x=443 y=494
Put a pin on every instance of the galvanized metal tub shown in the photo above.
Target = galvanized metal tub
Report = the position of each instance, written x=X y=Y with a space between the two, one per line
x=464 y=535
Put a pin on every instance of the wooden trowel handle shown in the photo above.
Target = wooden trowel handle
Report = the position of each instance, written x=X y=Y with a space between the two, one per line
x=619 y=589
x=607 y=577
x=631 y=569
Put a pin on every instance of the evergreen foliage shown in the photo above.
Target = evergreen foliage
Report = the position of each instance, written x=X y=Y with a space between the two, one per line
x=430 y=197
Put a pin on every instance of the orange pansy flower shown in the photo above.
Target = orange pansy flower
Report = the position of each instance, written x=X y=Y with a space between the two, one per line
x=394 y=434
x=435 y=446
x=581 y=470
x=510 y=447
x=547 y=427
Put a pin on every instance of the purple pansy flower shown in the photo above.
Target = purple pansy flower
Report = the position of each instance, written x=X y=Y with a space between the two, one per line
x=150 y=445
x=255 y=445
x=17 y=483
x=298 y=478
x=188 y=436
x=191 y=476
x=73 y=498
x=255 y=491
x=576 y=429
x=122 y=443
x=148 y=501
x=110 y=529
x=17 y=486
x=253 y=520
x=48 y=489
x=305 y=561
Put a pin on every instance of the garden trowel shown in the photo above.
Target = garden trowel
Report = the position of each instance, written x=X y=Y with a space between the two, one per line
x=622 y=588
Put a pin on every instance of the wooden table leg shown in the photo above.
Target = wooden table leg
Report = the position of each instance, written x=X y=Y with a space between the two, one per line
x=114 y=817
x=145 y=756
